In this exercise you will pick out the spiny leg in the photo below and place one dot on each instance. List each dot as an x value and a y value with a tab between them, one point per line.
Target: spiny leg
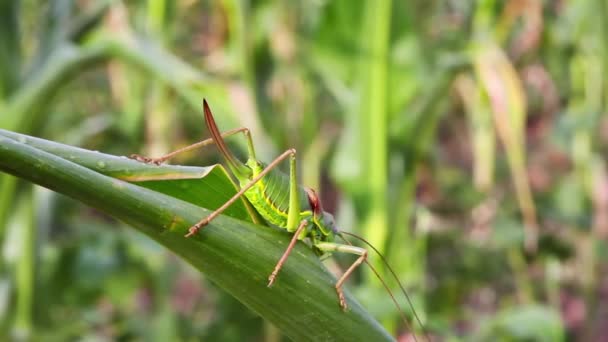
200	224
336	247
199	144
292	243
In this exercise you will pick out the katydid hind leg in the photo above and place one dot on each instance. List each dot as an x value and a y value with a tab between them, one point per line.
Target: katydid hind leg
293	217
203	222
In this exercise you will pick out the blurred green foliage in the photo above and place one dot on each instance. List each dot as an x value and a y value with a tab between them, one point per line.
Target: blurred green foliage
466	140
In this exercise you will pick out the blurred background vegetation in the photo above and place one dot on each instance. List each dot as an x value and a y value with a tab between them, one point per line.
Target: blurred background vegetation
466	140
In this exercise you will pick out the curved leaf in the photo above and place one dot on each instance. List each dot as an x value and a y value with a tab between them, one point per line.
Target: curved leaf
236	255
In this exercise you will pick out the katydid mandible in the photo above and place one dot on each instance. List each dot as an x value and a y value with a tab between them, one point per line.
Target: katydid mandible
281	201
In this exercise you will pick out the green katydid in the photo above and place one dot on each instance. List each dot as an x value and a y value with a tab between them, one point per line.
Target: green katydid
282	202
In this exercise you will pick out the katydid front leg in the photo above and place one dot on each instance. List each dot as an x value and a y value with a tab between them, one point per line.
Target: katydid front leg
336	247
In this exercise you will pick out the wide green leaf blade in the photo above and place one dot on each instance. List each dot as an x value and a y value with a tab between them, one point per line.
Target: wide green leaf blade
236	255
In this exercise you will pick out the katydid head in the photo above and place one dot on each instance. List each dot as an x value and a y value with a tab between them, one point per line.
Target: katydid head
322	219
327	221
326	224
240	170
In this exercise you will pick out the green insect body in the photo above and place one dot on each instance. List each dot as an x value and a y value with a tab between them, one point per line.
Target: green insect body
270	199
271	194
279	199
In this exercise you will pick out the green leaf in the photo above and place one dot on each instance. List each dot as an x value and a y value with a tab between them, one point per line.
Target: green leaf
236	255
188	183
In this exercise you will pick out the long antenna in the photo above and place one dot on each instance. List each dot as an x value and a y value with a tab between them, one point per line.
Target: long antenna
390	293
384	284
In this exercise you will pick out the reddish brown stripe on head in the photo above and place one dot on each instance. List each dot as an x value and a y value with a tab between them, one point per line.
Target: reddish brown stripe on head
313	200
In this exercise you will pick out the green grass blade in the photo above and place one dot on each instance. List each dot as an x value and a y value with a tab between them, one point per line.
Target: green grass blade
236	255
374	115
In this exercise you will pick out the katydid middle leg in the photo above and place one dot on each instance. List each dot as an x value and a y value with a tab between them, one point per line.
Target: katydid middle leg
199	144
292	243
336	247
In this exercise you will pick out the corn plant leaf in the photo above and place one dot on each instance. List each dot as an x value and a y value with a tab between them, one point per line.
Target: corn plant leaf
236	255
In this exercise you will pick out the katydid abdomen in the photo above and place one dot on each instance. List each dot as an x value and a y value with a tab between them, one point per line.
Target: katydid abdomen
269	198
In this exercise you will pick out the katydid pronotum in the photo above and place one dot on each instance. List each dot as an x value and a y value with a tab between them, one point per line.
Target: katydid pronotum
282	202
